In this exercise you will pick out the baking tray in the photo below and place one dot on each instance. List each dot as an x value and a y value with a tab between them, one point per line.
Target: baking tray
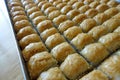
21	59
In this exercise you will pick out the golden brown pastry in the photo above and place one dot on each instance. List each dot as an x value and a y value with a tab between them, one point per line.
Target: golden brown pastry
84	8
112	24
35	14
79	18
104	1
77	5
29	39
24	32
71	32
111	67
100	18
31	10
117	16
65	25
39	19
81	40
71	14
95	53
88	24
111	11
95	75
39	63
16	8
66	9
87	1
43	25
111	41
59	19
45	6
20	24
91	12
49	10
102	7
112	3
94	4
28	6
16	13
19	17
41	3
98	31
60	5
48	32
117	29
38	1
26	2
14	3
51	1
54	14
55	3
71	2
74	65
52	74
33	48
118	7
54	40
61	51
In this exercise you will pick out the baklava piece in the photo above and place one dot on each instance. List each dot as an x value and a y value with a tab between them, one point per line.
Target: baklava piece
48	32
41	3
111	41
111	67
14	3
26	2
79	18
81	40
112	24
52	74
39	19
91	12
117	16
71	14
61	5
16	8
29	39
35	14
39	63
98	31
95	75
33	9
71	2
16	13
111	11
43	25
49	10
102	7
74	65
54	40
77	5
24	32
33	48
61	51
94	4
20	24
19	17
29	6
112	3
95	53
100	18
66	9
45	6
59	19
87	2
88	24
54	14
65	25
84	8
71	32
55	3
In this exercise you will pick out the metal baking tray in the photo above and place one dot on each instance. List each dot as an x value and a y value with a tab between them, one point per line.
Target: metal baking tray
21	59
